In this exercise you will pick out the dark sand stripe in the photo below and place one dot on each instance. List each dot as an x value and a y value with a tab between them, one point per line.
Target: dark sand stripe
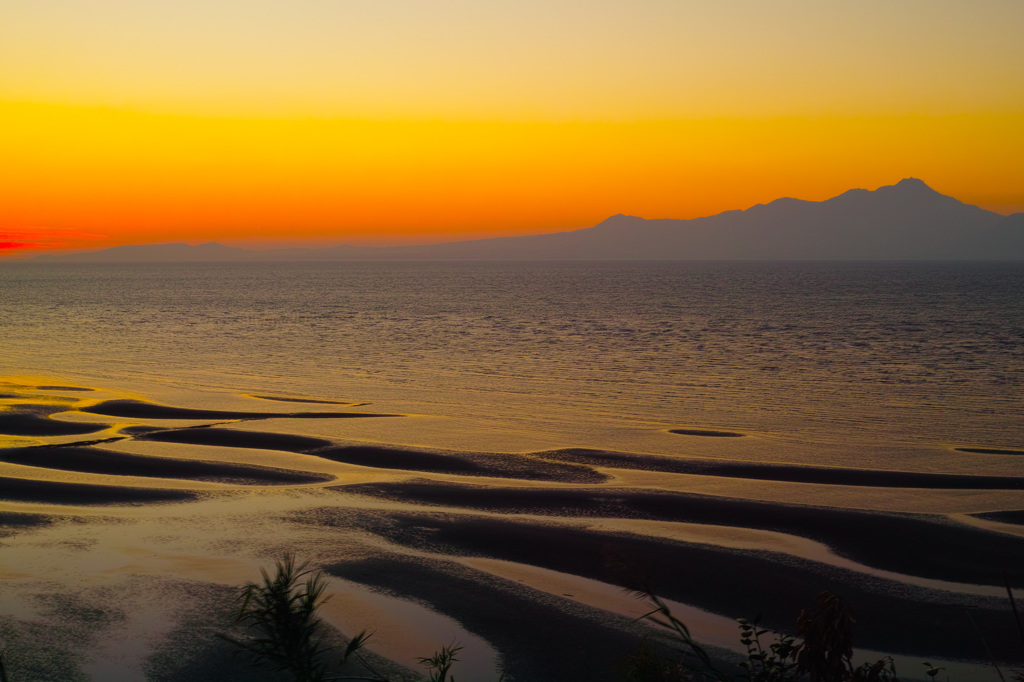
28	424
232	438
301	400
785	472
1015	516
10	520
54	492
706	433
922	545
539	636
890	616
990	451
139	430
137	409
464	464
96	461
64	388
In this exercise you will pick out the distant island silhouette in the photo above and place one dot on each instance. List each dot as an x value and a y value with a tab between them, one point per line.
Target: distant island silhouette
905	221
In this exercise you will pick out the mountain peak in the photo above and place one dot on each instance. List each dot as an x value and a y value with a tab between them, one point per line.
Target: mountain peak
618	219
912	184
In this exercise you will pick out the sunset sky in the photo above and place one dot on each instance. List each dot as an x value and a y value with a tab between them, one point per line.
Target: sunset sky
305	122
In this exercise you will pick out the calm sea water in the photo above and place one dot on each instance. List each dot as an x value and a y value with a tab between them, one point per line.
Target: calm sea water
827	353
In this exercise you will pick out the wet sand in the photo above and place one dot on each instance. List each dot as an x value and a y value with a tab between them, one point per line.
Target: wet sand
891	616
303	400
899	543
233	438
542	637
97	461
24	423
137	409
575	465
56	492
786	472
495	465
404	518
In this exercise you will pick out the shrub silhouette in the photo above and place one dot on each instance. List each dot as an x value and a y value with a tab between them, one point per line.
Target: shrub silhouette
823	655
282	626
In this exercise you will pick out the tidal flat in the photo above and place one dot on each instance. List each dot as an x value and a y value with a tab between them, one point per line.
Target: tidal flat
129	524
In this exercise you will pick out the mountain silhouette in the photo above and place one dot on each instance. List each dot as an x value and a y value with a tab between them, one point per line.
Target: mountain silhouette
905	221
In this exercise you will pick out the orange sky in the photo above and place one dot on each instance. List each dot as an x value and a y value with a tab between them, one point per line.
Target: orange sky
272	123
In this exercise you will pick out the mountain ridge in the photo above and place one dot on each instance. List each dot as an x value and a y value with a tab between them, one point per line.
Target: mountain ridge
905	221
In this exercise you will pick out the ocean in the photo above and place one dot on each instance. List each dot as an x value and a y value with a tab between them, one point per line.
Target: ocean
851	352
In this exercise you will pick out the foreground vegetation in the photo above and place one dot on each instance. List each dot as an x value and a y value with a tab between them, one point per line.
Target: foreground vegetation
283	630
277	625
